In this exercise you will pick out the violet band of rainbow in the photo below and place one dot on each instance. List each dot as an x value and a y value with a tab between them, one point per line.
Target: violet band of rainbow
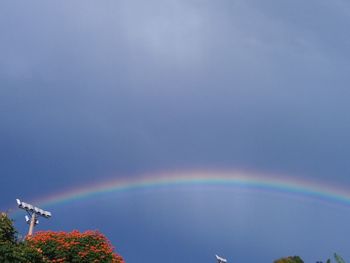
298	187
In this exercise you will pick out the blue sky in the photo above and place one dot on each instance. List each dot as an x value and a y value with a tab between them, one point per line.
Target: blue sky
90	91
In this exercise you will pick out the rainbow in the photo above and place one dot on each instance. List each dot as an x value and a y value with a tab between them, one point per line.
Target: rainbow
242	180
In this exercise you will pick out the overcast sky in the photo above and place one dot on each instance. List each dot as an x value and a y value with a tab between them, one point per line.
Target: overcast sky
93	90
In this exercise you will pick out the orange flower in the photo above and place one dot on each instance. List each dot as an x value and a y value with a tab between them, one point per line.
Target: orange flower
90	246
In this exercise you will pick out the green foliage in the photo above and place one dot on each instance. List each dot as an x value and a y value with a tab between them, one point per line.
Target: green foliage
7	230
338	258
294	259
11	250
19	253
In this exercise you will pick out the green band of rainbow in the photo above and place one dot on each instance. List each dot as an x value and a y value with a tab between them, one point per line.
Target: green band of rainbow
292	186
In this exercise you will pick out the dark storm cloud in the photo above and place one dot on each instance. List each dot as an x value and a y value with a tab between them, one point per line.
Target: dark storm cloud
126	86
92	89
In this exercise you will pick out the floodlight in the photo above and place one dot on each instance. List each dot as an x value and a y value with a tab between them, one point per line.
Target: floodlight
38	211
46	214
220	259
33	213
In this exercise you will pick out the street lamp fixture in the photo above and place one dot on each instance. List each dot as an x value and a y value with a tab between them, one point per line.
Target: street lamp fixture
220	259
33	214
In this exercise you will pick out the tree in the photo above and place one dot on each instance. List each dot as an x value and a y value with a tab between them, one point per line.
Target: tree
87	247
7	230
54	247
10	249
294	259
338	258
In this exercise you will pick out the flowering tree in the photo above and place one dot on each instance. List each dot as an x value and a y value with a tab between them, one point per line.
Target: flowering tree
87	247
294	259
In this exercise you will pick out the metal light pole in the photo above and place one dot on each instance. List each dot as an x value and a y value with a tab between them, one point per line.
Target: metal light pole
33	214
33	222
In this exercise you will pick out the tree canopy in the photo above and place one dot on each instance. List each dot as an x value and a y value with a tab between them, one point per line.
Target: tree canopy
294	259
11	250
87	247
54	247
